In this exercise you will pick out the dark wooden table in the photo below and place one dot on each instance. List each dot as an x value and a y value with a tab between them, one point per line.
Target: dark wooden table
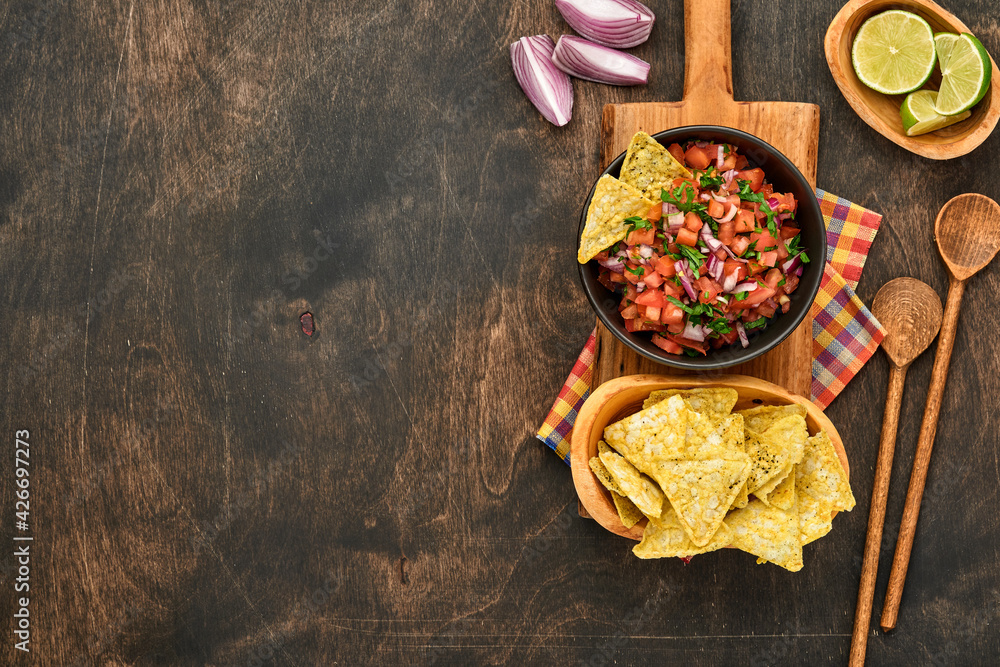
181	181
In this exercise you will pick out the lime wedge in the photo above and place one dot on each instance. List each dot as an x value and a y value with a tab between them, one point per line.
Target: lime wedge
919	116
944	42
965	76
893	52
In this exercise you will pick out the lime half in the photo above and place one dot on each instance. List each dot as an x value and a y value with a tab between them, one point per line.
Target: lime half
965	76
893	52
944	42
919	116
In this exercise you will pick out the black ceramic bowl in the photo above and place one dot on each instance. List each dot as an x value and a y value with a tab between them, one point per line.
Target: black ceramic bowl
780	172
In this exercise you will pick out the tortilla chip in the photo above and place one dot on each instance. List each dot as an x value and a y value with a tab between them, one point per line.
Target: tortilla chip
602	474
822	476
814	519
613	201
627	511
742	498
770	533
783	495
714	401
701	493
763	417
770	485
665	538
650	167
641	490
651	435
773	450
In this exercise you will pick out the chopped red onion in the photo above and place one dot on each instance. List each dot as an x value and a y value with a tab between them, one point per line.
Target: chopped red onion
706	236
772	303
675	221
744	341
640	286
729	283
720	159
773	203
798	271
715	267
586	60
719	198
791	264
546	86
748	286
669	209
693	332
701	144
728	216
645	251
612	264
704	196
729	176
620	24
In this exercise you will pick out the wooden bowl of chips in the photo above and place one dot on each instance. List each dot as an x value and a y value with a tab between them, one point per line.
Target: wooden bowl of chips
624	396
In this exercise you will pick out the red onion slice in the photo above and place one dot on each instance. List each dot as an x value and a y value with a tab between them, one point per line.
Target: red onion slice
706	236
675	221
669	209
748	286
728	216
612	264
693	332
744	341
546	86
791	264
645	251
586	60
620	24
720	159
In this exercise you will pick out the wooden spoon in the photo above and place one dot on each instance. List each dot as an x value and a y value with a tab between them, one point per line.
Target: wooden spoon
910	311
967	231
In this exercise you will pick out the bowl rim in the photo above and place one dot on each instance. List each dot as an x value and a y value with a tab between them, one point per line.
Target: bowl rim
596	500
740	356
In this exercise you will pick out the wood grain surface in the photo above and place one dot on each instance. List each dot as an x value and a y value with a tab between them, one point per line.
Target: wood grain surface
181	181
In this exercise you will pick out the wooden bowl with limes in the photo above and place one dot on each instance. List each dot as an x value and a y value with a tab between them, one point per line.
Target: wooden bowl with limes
881	111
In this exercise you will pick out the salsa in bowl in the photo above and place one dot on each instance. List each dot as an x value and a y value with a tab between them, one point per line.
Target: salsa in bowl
701	247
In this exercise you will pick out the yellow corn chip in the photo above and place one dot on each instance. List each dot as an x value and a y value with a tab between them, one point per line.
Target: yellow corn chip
770	533
814	519
822	476
641	490
770	485
627	511
654	434
783	496
701	492
602	474
761	418
613	201
665	538
649	166
742	498
714	401
774	449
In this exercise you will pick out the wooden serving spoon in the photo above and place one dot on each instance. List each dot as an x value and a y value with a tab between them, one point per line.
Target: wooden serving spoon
910	311
967	231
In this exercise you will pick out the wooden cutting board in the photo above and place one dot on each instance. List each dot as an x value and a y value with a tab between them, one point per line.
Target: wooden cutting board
790	127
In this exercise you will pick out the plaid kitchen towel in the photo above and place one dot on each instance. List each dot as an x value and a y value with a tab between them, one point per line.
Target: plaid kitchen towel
845	333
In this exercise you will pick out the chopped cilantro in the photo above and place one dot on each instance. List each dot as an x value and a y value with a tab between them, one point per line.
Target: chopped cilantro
759	322
742	295
637	271
804	257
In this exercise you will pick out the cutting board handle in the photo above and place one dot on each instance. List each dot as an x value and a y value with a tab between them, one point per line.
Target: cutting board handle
708	62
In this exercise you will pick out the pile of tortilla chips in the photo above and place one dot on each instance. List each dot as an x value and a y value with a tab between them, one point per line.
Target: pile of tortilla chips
647	168
707	477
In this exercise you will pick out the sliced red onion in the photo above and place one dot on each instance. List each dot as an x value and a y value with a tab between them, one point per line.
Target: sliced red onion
791	264
669	209
722	299
675	221
732	255
720	159
612	264
748	286
620	24
729	176
693	332
715	267
772	303
645	251
701	144
744	341
773	203
798	271
728	216
719	198
640	287
704	196
729	282
783	299
546	86
584	59
706	236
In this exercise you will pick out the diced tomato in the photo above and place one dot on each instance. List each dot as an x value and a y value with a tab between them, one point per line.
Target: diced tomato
630	291
604	277
733	200
601	256
632	277
641	236
769	258
668	346
786	202
764	241
772	278
671	314
672	289
755	176
688	343
618	278
759	295
665	267
652	279
750	315
652	297
729	162
700	158
740	244
744	221
741	163
788	232
653	313
791	282
782	250
639	324
630	311
716	209
655	212
677	152
754	267
732	265
692	222
687	237
767	310
676	328
708	289
690	193
767	190
729	338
